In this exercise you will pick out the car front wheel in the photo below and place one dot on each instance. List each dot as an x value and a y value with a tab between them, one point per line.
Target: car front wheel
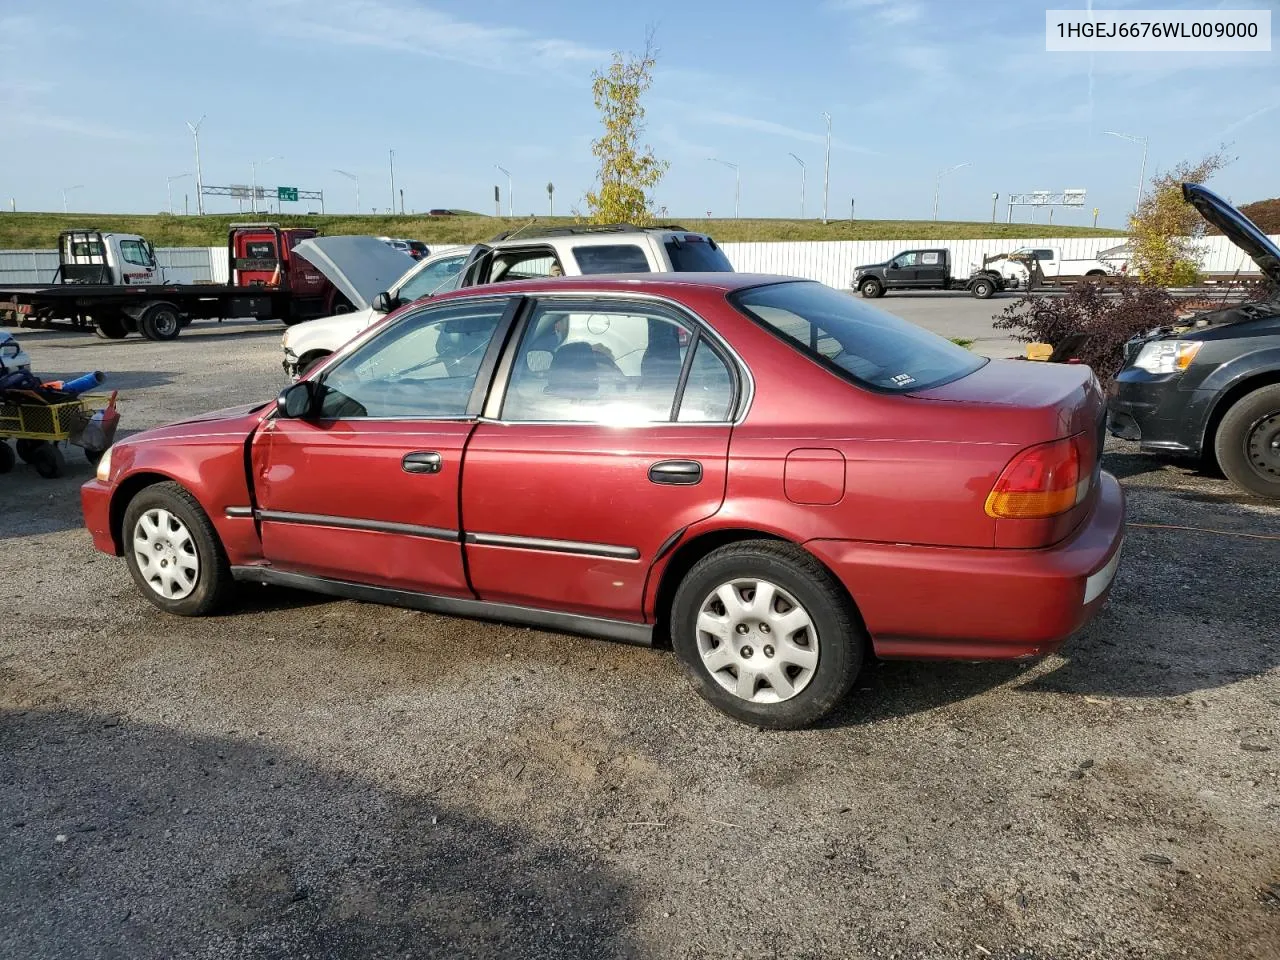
1248	442
767	634
871	289
173	552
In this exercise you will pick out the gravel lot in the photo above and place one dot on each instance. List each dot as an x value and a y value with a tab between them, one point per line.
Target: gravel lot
310	778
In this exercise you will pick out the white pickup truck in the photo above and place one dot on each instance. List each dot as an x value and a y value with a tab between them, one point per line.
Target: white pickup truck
1052	265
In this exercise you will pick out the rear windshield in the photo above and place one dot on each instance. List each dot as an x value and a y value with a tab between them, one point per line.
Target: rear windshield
696	255
860	343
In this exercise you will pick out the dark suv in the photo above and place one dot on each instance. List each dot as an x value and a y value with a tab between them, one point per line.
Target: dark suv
1211	387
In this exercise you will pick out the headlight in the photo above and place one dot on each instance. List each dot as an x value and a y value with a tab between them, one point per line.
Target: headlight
104	467
1167	356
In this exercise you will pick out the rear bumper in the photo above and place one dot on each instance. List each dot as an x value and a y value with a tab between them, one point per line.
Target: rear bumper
979	604
95	503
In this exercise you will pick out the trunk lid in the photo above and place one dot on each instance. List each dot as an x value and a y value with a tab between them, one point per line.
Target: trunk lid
1236	227
1028	403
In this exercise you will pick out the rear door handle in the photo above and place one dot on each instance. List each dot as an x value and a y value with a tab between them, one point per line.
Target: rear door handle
680	473
424	461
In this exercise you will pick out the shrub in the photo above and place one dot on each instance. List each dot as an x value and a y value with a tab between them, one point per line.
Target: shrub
1165	230
1109	321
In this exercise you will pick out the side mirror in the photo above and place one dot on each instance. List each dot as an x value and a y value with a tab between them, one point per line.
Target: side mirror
296	401
895	265
382	303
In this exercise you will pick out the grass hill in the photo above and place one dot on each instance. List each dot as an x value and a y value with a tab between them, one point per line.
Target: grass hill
40	230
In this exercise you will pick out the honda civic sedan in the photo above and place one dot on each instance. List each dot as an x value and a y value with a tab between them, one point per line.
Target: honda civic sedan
770	477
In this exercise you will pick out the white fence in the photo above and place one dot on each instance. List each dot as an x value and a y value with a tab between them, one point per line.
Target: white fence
831	262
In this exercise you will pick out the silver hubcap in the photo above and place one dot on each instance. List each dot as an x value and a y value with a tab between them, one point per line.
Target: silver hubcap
166	554
757	641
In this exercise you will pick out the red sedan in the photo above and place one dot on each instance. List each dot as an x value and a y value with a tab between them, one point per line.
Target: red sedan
775	478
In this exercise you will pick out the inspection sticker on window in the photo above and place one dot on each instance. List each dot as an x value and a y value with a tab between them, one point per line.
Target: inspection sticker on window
1157	31
903	380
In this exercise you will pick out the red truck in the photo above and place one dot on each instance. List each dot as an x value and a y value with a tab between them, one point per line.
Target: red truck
113	283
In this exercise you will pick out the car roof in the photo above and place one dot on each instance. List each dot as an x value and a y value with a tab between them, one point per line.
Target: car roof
671	284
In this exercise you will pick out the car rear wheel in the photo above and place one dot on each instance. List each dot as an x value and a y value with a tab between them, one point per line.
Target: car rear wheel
173	552
1248	442
871	288
767	634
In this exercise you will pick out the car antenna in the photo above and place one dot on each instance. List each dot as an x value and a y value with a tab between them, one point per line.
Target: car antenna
528	223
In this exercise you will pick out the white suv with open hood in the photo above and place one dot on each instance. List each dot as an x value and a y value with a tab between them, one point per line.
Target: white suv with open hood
519	255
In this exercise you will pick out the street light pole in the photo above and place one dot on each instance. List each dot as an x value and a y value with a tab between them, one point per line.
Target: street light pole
253	189
168	186
354	179
195	135
65	191
737	181
937	187
391	159
1142	175
511	202
801	162
826	167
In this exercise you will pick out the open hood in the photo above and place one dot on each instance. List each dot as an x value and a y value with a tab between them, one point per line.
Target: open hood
1238	228
360	267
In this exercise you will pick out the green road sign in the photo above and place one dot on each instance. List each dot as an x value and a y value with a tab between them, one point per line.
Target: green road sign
287	193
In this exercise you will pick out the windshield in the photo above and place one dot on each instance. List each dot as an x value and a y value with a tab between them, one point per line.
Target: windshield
696	255
858	342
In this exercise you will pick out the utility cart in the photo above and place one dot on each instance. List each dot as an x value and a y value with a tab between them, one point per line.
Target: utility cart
39	429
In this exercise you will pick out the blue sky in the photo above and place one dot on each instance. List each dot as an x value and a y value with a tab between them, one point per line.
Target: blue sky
98	94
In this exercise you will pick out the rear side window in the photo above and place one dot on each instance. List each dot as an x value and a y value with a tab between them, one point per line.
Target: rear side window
696	255
611	258
858	342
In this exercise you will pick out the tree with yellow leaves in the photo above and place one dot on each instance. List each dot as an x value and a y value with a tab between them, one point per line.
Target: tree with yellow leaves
628	172
1165	230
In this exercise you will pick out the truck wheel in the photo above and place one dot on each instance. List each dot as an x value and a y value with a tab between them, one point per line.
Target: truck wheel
160	322
982	289
110	328
1248	442
49	461
871	288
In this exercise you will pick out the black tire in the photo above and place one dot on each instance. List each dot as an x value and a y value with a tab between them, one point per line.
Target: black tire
340	305
93	456
110	328
309	361
160	322
49	461
27	449
982	289
1247	444
871	288
7	458
840	640
213	583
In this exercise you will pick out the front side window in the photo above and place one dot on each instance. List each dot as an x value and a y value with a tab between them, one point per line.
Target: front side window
597	363
424	366
905	259
524	265
611	258
858	342
435	277
692	254
135	252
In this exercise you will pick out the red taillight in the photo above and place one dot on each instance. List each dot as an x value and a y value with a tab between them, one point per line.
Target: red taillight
1041	481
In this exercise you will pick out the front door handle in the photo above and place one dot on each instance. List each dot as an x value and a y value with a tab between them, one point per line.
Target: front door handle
680	473
424	461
